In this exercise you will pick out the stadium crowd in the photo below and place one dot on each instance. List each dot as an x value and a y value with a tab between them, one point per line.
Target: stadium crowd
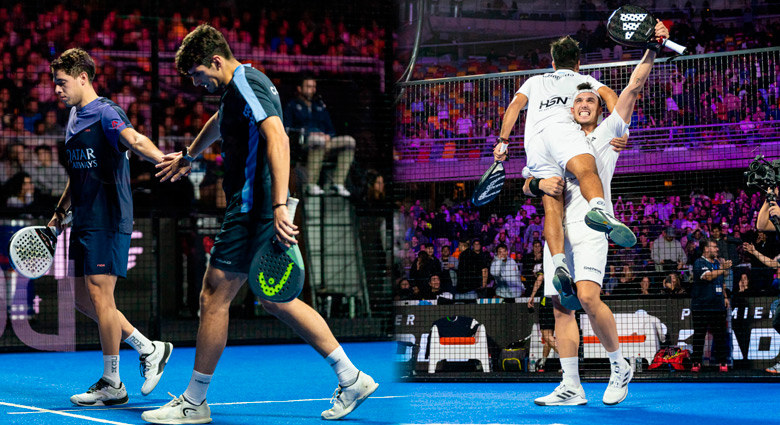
505	252
32	119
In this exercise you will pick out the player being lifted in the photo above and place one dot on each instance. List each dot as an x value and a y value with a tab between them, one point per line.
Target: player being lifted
586	251
97	139
555	145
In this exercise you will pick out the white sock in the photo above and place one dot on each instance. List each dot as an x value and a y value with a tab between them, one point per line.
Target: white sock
617	357
345	370
559	260
111	370
199	385
571	370
597	203
139	342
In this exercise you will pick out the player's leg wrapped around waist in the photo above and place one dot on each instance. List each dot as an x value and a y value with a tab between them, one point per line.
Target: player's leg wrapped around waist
586	256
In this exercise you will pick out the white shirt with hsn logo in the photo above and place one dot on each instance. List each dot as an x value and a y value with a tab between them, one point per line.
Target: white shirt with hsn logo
550	98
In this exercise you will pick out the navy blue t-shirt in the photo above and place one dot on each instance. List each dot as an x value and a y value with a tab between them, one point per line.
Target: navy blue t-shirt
248	100
314	118
706	294
98	168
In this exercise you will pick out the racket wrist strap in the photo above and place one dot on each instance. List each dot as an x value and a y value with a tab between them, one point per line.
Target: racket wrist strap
275	206
534	187
654	45
502	140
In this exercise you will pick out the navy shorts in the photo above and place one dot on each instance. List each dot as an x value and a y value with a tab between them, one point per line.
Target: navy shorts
99	252
239	239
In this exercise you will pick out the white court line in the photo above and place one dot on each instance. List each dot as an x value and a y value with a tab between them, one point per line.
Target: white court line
210	404
55	412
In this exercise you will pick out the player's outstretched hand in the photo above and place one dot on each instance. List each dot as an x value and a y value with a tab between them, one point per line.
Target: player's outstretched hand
619	144
284	228
552	186
173	167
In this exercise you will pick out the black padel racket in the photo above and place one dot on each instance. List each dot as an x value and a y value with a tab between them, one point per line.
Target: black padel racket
276	273
634	26
31	250
491	183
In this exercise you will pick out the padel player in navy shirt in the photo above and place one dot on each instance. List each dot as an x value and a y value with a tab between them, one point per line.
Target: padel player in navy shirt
97	141
257	172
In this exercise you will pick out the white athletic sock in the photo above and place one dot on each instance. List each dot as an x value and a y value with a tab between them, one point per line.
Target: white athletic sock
345	370
111	370
199	385
559	260
617	357
139	342
571	370
597	203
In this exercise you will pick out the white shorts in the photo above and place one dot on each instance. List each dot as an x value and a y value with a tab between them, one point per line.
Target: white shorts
549	151
586	255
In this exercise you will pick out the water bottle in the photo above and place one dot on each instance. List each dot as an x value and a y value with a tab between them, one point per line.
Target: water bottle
532	363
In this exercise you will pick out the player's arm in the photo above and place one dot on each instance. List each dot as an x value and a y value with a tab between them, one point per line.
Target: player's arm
511	114
278	152
140	145
62	206
537	285
627	99
173	166
609	96
552	186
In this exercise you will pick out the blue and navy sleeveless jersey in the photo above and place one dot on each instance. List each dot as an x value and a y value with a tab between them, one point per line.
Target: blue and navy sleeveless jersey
98	168
248	100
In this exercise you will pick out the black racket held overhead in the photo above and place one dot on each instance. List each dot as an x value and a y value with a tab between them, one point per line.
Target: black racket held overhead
31	249
491	183
634	26
276	273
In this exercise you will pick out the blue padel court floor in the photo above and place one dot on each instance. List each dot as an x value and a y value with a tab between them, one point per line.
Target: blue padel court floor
291	384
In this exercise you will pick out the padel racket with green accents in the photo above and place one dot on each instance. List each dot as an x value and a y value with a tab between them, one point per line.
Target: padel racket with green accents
276	273
31	250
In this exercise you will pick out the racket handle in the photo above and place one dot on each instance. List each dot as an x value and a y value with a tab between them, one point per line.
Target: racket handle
68	218
502	147
671	45
292	205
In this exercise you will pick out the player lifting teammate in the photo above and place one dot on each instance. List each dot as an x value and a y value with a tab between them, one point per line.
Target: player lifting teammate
257	173
555	145
586	251
97	139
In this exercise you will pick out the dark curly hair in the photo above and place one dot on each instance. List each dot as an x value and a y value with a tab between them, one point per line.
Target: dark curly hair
565	53
199	46
73	62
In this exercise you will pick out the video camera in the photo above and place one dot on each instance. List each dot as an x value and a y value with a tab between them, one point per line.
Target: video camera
765	175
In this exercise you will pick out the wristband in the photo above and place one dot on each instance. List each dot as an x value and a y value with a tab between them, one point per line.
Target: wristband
278	205
502	140
534	187
60	210
186	154
654	46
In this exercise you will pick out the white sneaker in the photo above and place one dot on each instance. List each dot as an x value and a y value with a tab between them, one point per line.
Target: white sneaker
152	365
345	400
314	190
341	190
774	369
101	394
179	411
564	395
617	389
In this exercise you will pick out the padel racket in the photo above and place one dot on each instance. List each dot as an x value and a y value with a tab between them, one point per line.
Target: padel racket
491	183
31	250
634	26
276	273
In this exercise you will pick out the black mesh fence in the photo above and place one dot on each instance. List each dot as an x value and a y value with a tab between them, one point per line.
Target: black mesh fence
338	171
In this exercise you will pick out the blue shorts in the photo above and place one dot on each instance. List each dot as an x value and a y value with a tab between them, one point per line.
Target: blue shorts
239	239
100	252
